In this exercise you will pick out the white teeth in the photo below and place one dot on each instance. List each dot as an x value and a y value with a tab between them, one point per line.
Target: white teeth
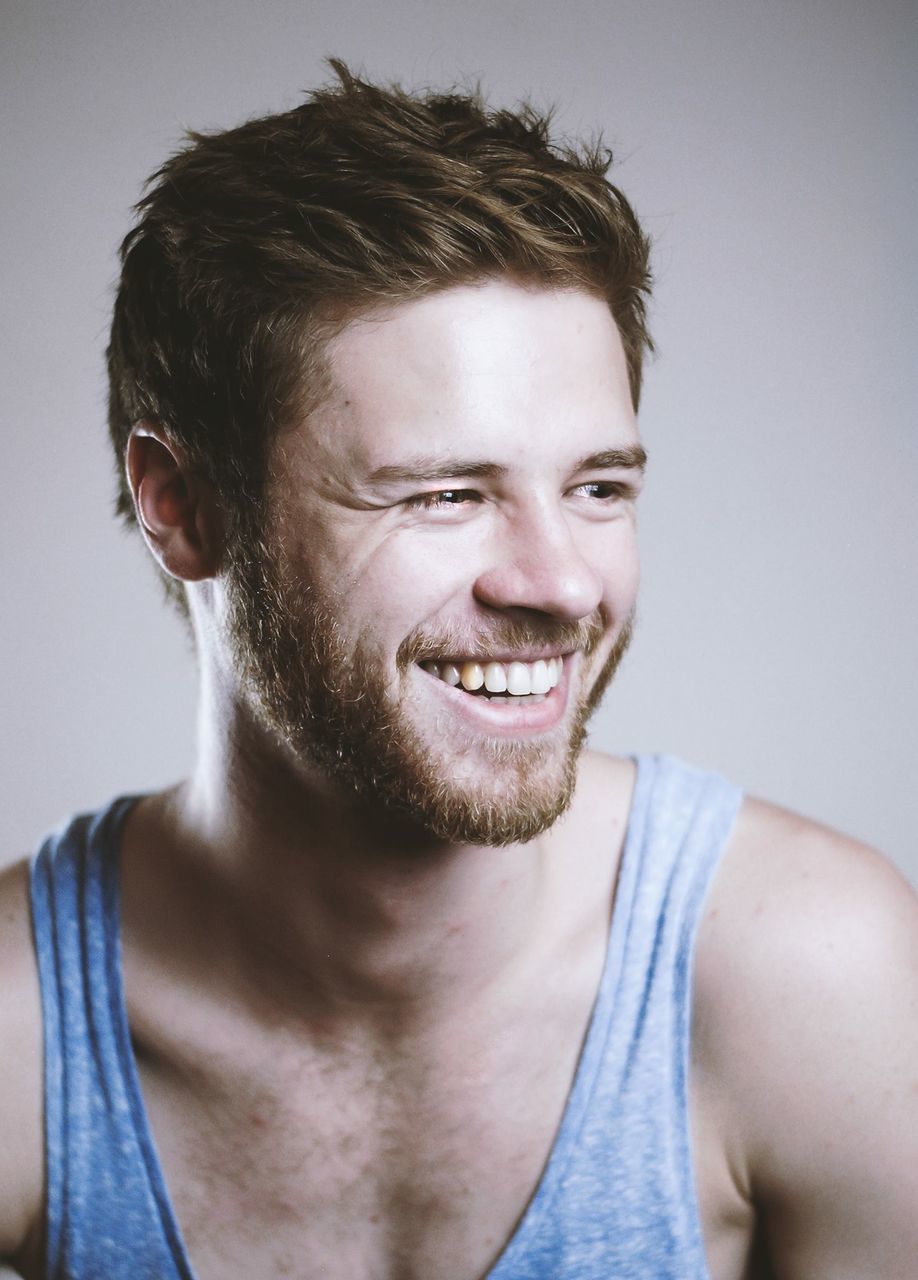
540	680
495	677
471	675
519	681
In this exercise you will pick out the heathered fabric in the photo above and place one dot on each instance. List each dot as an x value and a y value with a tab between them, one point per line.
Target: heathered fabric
616	1200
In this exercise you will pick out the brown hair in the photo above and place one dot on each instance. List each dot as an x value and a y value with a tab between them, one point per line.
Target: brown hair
251	245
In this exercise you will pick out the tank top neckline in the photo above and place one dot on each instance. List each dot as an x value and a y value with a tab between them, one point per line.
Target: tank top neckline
576	1106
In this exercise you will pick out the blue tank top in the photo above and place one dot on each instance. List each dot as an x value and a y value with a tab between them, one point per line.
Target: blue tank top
616	1197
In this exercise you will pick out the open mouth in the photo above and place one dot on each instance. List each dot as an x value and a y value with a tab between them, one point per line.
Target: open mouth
516	682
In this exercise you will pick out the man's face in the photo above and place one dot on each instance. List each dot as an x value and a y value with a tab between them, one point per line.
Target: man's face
461	502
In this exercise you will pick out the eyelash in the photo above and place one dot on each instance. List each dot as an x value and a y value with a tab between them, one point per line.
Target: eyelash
607	492
609	489
435	501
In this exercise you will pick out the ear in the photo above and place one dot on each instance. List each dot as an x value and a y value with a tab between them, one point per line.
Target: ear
177	509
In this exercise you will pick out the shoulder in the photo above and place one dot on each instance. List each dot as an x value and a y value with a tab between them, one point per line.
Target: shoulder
807	1029
791	887
800	908
21	1150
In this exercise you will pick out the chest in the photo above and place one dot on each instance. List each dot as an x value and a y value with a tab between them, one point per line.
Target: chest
378	1166
387	1168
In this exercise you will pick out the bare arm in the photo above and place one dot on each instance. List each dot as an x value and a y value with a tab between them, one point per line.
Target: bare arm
808	968
21	1159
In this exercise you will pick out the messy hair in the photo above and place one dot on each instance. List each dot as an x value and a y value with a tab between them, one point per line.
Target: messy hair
252	245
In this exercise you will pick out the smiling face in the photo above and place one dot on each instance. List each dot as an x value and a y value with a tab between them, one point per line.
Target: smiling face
448	579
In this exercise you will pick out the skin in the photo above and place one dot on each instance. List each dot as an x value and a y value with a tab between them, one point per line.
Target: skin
340	1018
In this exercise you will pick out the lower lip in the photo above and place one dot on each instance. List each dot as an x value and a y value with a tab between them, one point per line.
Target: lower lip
504	717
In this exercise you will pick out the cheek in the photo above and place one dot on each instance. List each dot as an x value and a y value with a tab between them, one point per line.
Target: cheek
629	580
615	558
409	582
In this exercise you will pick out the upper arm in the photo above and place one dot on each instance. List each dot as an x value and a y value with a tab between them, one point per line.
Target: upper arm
21	1145
808	982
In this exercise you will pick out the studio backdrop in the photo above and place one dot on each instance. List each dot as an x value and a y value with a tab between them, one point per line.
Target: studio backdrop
769	147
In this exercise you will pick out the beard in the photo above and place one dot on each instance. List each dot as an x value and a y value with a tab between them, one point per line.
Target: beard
329	701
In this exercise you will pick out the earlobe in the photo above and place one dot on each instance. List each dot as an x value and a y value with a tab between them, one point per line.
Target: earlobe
176	508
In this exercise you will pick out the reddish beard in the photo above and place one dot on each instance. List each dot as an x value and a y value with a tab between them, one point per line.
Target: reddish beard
331	704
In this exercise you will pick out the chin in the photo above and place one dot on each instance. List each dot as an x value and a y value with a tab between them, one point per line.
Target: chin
499	792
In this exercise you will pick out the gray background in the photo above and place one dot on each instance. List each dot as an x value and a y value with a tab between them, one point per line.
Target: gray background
769	147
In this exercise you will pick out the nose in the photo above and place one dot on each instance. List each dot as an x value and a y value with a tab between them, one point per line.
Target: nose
536	564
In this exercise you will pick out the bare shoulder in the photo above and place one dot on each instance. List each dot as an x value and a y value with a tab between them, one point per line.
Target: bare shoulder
807	1028
793	889
21	1159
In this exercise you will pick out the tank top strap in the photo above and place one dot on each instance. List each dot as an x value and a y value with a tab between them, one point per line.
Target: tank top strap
637	1137
617	1196
680	821
107	1213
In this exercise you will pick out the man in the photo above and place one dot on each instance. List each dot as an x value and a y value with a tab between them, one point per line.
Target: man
401	983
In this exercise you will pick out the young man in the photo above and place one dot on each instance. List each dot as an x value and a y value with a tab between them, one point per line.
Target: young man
400	983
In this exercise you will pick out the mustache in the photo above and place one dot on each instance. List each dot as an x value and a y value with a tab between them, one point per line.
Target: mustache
501	633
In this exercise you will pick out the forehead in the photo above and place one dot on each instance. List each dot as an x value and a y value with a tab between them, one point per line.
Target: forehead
487	366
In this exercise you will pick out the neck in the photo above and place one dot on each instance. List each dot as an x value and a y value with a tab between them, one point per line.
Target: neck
377	915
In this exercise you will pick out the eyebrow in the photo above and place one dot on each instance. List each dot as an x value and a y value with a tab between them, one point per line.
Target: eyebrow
425	470
634	458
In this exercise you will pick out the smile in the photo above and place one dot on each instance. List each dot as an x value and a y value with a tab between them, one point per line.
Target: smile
500	681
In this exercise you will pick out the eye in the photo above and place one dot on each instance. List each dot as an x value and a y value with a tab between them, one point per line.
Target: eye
604	491
444	499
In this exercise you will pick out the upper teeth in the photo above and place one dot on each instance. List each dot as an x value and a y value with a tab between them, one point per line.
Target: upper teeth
518	678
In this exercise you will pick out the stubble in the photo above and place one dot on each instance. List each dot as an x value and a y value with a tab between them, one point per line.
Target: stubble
329	702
